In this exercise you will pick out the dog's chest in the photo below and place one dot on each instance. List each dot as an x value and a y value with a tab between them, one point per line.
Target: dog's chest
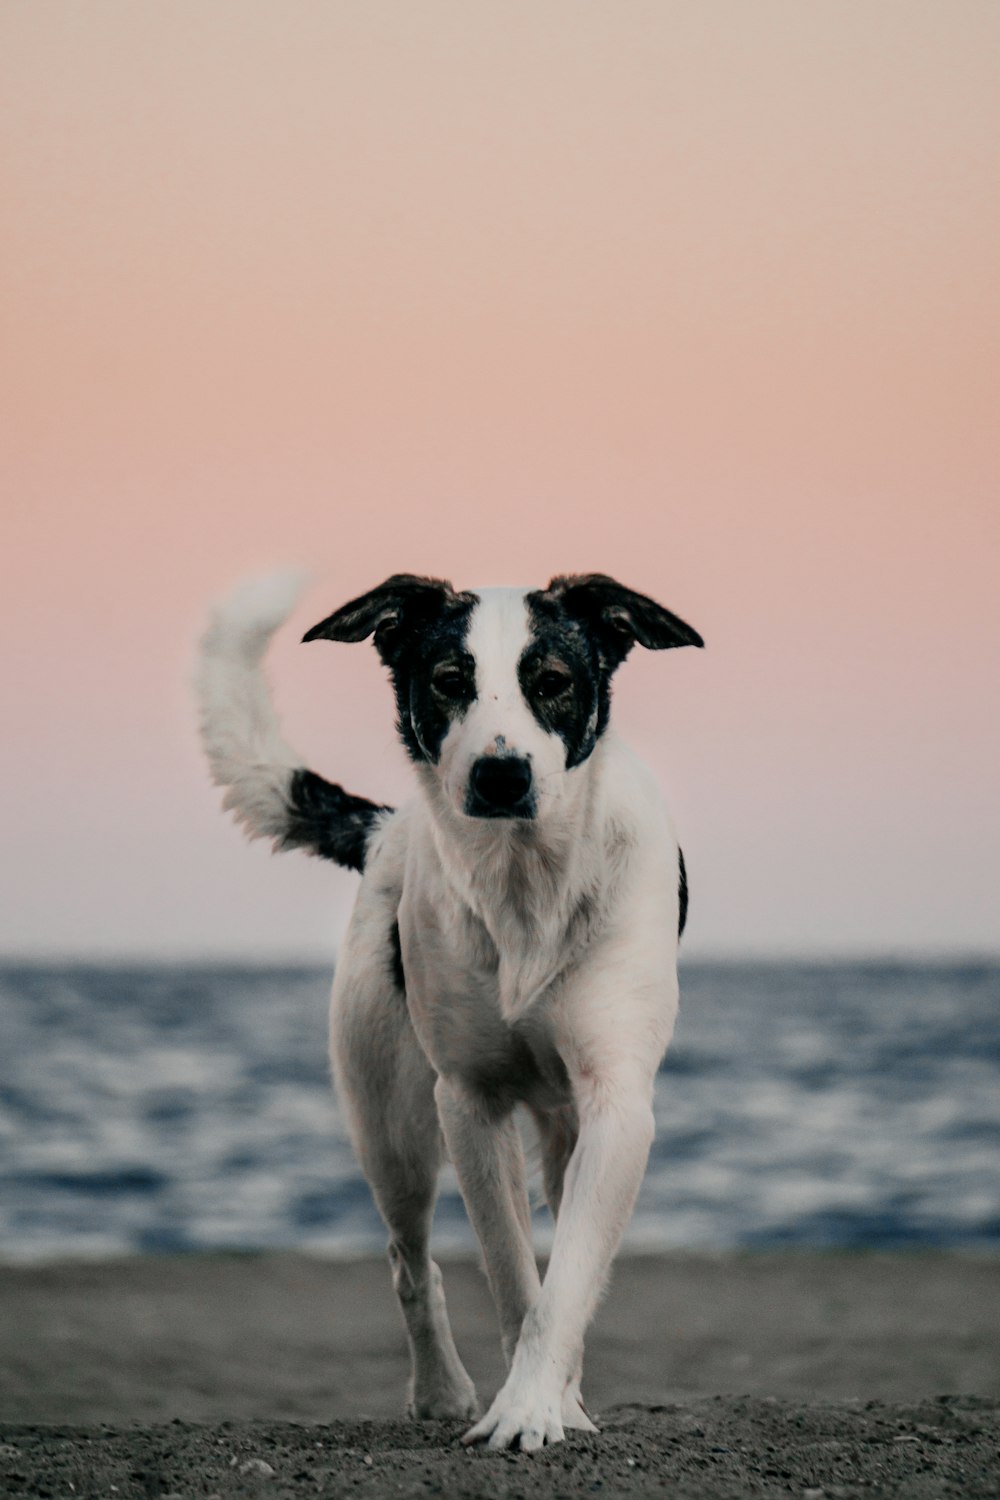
459	989
515	929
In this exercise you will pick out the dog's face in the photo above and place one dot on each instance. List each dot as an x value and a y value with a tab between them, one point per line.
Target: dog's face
505	691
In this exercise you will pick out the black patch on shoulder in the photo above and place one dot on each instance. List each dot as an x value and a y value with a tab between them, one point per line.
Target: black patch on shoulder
330	822
396	959
563	680
434	679
682	892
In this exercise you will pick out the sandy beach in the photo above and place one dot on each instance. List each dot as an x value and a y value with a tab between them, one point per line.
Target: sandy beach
749	1374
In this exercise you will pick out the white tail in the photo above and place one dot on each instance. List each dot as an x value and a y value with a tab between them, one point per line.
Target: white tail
239	727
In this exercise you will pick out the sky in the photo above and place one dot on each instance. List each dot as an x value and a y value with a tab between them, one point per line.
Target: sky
702	295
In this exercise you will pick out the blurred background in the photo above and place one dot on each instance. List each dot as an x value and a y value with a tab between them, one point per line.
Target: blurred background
703	296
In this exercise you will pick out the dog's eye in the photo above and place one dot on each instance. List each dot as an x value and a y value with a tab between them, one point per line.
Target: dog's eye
551	684
451	685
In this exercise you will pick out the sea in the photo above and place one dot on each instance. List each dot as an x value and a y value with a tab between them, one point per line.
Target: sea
162	1108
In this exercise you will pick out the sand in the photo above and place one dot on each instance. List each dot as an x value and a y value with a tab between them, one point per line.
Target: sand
766	1374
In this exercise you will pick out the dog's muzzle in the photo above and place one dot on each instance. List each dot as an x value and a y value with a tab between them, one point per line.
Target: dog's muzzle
500	786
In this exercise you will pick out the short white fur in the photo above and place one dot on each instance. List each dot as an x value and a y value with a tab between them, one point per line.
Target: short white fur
554	940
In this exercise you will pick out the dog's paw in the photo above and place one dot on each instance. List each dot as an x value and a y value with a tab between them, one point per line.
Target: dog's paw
574	1413
526	1419
458	1402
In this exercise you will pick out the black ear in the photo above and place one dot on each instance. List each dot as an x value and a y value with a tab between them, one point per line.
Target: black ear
403	602
618	617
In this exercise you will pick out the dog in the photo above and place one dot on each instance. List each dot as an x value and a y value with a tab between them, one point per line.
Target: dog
514	942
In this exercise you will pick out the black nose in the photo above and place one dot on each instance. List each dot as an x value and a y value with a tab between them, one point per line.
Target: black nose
500	786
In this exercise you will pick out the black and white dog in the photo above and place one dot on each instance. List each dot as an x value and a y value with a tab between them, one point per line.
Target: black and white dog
514	942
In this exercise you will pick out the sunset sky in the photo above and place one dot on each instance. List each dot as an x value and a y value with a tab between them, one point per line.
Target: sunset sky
703	295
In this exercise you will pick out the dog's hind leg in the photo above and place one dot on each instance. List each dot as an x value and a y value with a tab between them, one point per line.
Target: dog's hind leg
439	1384
557	1133
489	1159
386	1087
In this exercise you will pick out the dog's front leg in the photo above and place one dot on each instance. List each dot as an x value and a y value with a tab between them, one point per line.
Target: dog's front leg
488	1157
602	1182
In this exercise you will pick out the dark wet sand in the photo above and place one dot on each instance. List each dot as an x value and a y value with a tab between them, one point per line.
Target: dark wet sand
769	1374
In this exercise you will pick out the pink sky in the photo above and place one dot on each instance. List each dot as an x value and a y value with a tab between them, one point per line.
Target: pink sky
705	296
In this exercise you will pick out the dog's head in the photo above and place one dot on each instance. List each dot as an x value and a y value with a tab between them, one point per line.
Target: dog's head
506	691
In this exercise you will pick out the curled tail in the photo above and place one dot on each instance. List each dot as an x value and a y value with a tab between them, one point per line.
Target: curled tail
269	790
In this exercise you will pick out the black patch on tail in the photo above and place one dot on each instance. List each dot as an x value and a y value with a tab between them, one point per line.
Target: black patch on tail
682	892
328	821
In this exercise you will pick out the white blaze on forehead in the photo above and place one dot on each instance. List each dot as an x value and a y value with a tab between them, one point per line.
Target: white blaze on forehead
499	721
499	631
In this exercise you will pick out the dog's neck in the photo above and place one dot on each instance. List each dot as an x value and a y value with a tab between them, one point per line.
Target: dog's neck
531	883
515	862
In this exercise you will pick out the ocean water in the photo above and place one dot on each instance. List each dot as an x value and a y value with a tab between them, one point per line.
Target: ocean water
189	1108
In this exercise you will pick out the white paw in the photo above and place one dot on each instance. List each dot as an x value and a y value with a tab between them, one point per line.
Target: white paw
574	1413
458	1401
522	1418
